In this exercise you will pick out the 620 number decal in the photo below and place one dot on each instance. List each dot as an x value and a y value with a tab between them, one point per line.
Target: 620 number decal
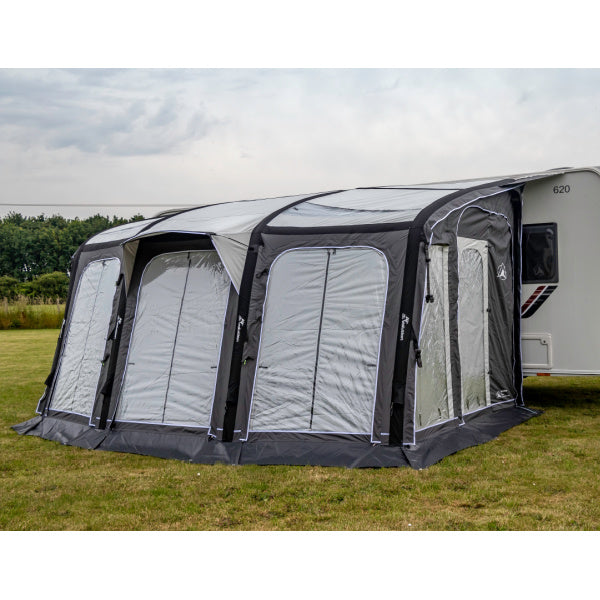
561	189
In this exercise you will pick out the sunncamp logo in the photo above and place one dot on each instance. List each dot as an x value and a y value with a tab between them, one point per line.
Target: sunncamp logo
501	273
404	323
241	323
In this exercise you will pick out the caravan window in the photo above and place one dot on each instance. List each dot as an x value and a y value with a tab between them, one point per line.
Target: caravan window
540	253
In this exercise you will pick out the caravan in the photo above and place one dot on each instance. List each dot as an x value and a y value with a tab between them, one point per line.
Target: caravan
561	278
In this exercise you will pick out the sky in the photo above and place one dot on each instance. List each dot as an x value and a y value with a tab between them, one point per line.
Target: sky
126	141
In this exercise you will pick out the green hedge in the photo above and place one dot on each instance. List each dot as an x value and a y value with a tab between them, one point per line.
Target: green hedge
50	286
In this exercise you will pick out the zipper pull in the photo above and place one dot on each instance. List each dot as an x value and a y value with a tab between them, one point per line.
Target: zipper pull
418	354
429	296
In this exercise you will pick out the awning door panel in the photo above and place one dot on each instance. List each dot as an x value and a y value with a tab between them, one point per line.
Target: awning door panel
175	345
473	323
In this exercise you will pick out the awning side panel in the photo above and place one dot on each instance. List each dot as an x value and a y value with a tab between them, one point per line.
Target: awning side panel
81	361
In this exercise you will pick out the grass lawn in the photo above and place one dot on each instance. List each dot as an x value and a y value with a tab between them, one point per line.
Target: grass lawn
544	474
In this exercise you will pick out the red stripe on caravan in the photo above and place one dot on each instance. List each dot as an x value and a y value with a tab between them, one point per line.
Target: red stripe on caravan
537	303
531	298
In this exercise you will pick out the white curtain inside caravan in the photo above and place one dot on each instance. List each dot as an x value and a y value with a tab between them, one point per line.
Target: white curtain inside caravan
81	362
319	350
175	345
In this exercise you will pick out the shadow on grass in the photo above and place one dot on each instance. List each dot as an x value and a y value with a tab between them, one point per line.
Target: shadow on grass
562	392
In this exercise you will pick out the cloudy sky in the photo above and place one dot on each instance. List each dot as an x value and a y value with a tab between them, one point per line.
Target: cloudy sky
126	141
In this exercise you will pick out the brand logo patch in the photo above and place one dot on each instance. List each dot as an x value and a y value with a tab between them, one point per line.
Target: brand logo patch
501	272
502	394
405	321
241	323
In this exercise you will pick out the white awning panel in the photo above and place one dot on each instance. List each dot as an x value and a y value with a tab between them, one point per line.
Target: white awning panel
359	207
224	219
229	225
232	250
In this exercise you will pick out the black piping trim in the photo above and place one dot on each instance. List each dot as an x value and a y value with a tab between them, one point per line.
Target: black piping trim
106	391
517	203
371	228
119	241
139	236
101	246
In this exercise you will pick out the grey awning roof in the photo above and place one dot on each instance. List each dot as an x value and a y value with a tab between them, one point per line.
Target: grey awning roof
230	224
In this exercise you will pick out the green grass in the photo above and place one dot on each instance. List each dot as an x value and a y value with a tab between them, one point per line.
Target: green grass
542	475
25	313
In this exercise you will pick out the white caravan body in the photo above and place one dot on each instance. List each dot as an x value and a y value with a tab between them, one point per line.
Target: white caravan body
560	323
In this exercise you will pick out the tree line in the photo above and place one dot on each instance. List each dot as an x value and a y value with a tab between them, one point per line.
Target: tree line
35	252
